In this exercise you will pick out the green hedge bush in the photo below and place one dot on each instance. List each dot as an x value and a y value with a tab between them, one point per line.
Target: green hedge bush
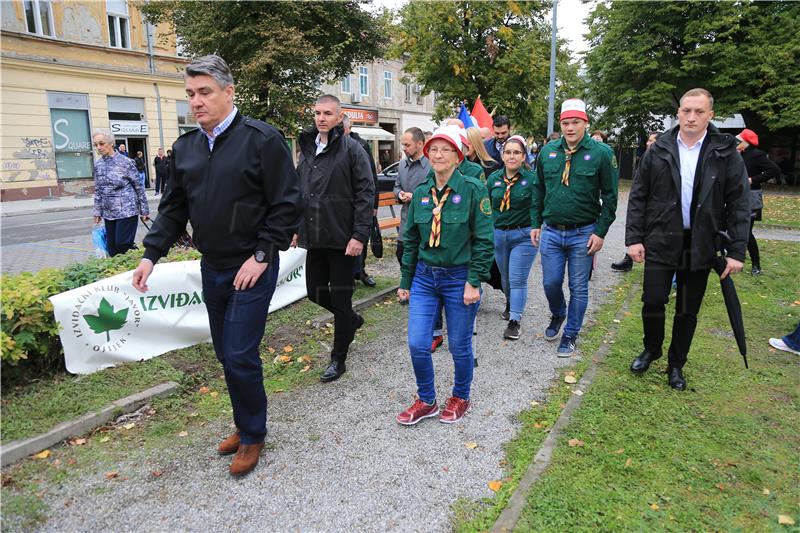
29	333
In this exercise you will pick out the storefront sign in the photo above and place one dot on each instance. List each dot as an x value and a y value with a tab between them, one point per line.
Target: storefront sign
361	116
129	127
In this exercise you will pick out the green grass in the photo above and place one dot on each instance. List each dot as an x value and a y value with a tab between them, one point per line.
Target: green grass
699	460
781	210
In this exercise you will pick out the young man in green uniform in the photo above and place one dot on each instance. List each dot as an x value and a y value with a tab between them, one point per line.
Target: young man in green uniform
570	222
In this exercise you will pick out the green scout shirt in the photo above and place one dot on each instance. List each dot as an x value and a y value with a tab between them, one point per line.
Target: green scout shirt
467	168
520	212
467	234
593	176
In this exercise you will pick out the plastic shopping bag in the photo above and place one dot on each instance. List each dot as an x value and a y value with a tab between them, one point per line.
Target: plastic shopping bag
99	241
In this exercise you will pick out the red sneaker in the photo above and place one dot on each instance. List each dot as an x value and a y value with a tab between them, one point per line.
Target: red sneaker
454	410
438	340
417	412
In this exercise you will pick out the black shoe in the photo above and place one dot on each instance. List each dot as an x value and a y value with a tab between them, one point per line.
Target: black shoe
625	265
642	362
676	379
367	280
334	371
512	331
551	333
506	315
755	271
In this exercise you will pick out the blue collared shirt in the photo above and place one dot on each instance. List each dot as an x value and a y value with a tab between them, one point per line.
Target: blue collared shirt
219	128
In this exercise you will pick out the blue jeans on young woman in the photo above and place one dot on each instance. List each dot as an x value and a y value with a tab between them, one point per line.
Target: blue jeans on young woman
560	249
430	287
237	320
514	253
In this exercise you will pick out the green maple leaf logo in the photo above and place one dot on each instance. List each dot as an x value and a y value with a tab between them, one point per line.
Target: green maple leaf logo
106	319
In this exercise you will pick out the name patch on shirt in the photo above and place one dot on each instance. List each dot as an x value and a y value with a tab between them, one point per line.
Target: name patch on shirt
524	182
425	200
497	183
457	199
587	157
552	155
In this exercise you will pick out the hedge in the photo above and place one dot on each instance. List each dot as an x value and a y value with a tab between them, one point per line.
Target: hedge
29	335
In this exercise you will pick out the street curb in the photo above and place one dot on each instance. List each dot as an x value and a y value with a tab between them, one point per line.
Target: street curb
359	304
56	209
16	450
508	519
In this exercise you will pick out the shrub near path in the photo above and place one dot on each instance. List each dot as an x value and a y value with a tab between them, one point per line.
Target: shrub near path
721	456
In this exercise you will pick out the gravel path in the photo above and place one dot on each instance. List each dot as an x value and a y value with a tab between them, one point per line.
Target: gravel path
336	459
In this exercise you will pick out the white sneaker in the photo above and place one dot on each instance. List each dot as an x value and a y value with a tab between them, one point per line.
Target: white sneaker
780	345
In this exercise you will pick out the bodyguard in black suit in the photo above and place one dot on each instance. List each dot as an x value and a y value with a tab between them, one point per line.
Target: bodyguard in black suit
690	184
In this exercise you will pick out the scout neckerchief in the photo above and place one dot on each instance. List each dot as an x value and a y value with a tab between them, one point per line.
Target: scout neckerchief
436	223
506	203
565	175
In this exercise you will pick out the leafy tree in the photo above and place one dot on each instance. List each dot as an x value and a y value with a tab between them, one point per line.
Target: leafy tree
645	55
279	52
499	50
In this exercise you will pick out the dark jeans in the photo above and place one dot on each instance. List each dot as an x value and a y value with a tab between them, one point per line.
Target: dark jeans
752	247
161	182
691	287
120	234
237	320
792	340
329	282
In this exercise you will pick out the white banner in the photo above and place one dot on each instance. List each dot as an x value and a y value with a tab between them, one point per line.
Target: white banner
109	322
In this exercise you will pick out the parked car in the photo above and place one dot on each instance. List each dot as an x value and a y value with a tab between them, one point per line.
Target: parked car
386	178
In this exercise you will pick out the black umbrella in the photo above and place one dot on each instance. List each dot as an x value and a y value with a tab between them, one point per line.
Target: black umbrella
729	294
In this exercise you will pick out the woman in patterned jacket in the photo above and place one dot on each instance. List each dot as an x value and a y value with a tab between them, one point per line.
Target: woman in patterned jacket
118	194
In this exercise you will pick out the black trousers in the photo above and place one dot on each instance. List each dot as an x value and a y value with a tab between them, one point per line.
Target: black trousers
161	182
329	282
655	296
120	234
752	246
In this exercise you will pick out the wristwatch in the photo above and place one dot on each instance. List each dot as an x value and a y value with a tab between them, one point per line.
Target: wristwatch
260	256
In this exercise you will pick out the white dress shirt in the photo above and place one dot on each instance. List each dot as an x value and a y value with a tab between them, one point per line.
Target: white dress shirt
320	145
688	156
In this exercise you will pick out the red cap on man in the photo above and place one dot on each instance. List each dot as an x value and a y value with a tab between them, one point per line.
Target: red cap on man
573	108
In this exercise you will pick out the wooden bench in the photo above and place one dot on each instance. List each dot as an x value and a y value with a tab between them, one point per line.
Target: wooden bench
388	199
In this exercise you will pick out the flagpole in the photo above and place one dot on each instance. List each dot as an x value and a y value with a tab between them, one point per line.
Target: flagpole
551	104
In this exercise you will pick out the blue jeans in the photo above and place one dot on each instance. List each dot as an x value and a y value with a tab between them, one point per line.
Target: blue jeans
237	320
514	253
430	288
792	340
560	249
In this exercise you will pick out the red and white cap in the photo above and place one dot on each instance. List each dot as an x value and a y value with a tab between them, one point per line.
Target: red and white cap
748	136
451	134
573	108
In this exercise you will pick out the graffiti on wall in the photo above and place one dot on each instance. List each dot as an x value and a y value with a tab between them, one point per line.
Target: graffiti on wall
35	161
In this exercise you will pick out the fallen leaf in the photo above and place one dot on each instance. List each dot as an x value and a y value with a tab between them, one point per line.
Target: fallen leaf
471	445
288	348
271	349
304	359
194	414
157	473
183	434
111	475
627	313
43	455
129	425
562	405
203	390
575	442
785	520
621	450
285	359
328	325
654	506
537	425
495	485
616	321
796	302
534	403
77	442
765	491
628	463
720	486
577	392
105	439
213	394
570	379
57	462
277	390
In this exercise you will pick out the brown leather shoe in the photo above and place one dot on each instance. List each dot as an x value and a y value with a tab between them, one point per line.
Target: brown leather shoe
245	459
229	445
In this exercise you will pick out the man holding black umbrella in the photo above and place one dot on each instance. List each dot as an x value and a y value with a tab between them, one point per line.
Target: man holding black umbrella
690	185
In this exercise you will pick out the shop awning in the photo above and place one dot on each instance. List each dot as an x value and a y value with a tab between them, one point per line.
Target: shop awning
373	134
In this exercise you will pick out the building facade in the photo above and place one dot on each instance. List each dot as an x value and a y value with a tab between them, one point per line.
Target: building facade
70	67
382	102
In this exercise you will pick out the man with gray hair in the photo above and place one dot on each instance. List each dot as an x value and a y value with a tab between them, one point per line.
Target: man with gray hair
234	179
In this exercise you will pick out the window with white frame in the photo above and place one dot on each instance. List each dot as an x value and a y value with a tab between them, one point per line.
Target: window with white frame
363	80
387	84
39	17
346	84
119	34
408	91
